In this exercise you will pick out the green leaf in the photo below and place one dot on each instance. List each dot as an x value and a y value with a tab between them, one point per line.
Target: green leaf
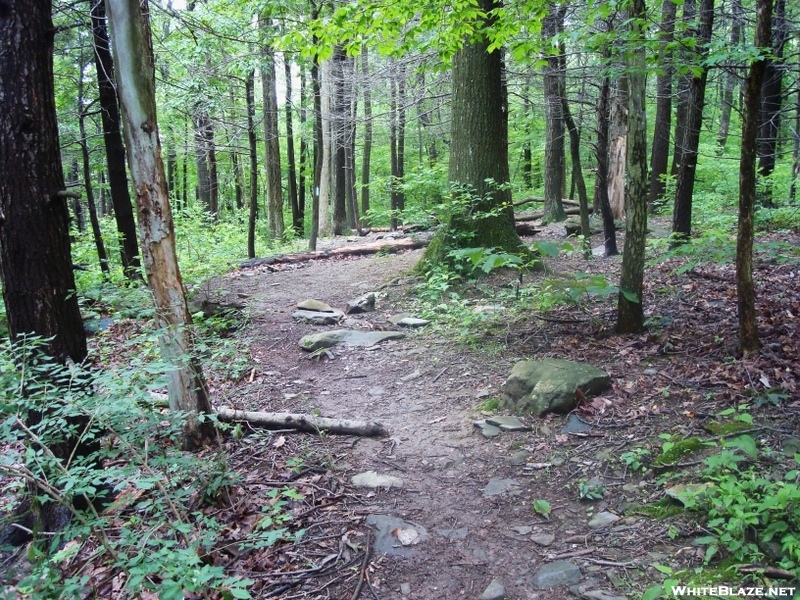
542	507
663	569
746	444
547	248
654	592
629	296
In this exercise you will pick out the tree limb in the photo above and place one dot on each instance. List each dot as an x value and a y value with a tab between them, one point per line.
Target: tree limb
301	422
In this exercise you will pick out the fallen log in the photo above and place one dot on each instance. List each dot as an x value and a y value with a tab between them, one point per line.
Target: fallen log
538	214
355	250
529	199
525	228
301	422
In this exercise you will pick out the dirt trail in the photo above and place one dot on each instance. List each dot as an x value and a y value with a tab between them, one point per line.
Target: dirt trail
425	390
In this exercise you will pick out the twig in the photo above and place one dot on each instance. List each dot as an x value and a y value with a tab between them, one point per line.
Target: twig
573	554
768	571
435	379
362	572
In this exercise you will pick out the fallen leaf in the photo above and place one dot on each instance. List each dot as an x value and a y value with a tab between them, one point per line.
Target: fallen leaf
279	442
407	537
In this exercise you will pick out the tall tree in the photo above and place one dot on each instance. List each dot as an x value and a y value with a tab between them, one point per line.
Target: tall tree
554	118
601	154
115	149
684	186
731	78
630	315
340	118
297	215
252	147
478	152
686	57
272	138
133	57
367	153
659	156
745	288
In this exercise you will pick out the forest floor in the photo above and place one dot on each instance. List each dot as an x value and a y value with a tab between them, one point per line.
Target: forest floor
430	387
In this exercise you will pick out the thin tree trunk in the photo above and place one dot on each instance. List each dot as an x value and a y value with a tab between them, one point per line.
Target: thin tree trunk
253	148
77	206
659	157
301	179
185	188
316	88
745	288
340	113
325	228
796	153
213	179
272	141
133	56
554	123
618	152
115	149
526	144
401	137
771	102
601	188
237	168
684	189
577	174
297	216
731	78
201	157
684	91
102	256
365	159
393	184
630	317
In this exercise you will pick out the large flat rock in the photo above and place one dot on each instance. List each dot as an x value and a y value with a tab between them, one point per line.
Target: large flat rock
347	337
550	385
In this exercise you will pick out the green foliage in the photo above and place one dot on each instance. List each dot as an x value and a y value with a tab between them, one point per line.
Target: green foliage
590	490
637	459
157	533
542	507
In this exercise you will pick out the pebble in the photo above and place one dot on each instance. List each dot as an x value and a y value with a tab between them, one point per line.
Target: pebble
495	591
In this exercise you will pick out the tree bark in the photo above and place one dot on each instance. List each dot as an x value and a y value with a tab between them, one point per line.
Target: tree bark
238	190
659	156
325	225
771	102
199	119
301	422
115	149
297	215
684	187
630	317
133	56
618	133
684	89
340	116
366	157
601	188
731	78
272	141
554	121
575	153
252	144
301	175
393	183
478	154
316	89
745	288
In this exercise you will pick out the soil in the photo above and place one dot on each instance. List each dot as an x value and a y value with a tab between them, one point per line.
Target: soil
430	387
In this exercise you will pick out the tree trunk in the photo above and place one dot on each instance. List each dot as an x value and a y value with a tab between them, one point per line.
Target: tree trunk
400	172
252	144
554	122
659	157
601	189
272	141
115	149
365	159
213	179
325	228
684	89
393	184
684	188
618	133
526	144
316	88
301	177
297	216
745	288
237	167
577	174
87	183
199	118
77	208
630	318
796	152
478	154
133	56
731	78
340	115
771	101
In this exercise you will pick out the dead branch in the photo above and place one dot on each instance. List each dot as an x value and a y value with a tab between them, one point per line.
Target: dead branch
301	422
538	214
529	199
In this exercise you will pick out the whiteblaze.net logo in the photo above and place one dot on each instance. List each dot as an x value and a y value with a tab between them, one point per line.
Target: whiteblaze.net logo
723	591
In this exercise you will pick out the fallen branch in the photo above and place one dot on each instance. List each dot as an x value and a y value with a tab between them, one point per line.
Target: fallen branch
357	250
301	422
768	571
529	199
538	214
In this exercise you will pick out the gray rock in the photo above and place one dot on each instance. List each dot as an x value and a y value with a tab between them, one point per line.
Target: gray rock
497	486
487	431
495	591
602	519
371	479
520	457
387	529
346	337
479	554
601	595
630	487
543	539
575	425
412	322
317	318
395	319
376	391
315	305
683	491
555	574
453	534
411	377
508	423
549	385
522	529
364	303
405	589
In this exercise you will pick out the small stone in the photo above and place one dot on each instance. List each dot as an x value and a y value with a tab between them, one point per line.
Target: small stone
490	431
479	554
405	589
454	534
497	486
520	457
411	377
650	372
364	303
346	337
522	529
371	479
495	591
602	519
481	394
683	491
543	539
314	305
508	423
317	318
412	322
575	425
630	487
397	318
556	574
376	391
